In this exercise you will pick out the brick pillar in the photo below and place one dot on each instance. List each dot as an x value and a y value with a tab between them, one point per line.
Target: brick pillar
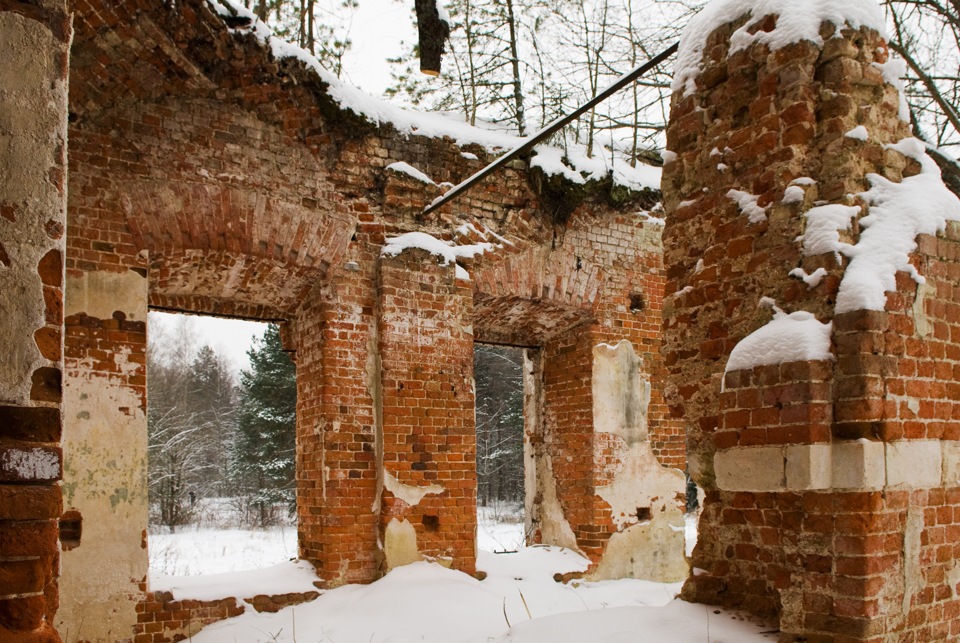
831	483
337	384
429	438
34	45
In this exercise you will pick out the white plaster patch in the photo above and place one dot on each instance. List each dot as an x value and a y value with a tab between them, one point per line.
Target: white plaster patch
400	544
914	464
31	464
646	551
408	493
620	394
100	293
860	465
750	469
808	466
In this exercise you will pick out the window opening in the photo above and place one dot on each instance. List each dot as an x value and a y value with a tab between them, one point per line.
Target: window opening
221	423
498	372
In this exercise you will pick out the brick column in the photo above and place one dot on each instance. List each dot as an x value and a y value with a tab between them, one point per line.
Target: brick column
429	437
337	384
34	45
831	484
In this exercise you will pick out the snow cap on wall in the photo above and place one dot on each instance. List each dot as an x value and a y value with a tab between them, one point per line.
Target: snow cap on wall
574	160
797	21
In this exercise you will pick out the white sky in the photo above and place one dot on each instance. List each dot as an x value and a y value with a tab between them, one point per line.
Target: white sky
229	337
380	29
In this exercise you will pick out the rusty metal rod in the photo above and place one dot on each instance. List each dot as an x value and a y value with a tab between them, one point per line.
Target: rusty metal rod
551	128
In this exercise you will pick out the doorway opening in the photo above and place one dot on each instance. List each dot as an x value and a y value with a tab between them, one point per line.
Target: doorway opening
498	373
221	424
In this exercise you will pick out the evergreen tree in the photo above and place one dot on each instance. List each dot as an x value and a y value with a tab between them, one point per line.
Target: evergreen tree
263	459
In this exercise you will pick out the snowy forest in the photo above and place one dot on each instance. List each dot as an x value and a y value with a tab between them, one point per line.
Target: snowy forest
519	64
214	436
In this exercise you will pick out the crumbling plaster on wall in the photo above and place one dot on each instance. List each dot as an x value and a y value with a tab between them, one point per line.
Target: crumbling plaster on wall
105	470
400	544
32	149
646	499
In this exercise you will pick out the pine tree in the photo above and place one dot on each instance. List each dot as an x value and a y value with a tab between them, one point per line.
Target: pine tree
263	458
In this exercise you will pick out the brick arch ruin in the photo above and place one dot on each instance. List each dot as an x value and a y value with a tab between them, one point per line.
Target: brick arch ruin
162	156
198	171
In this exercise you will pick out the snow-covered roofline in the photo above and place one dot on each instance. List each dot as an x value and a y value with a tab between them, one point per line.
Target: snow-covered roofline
433	125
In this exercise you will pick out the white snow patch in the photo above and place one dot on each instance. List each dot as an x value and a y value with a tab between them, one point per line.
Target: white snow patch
797	21
470	156
858	133
31	464
443	13
668	156
408	493
824	224
649	218
793	194
406	168
813	279
797	337
894	71
686	204
803	180
579	169
898	212
748	205
722	167
449	253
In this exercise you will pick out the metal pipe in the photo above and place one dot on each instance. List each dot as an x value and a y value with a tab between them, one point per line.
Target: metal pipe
551	128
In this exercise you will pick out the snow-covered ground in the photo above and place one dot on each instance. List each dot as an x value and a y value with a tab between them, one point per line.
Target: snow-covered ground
517	602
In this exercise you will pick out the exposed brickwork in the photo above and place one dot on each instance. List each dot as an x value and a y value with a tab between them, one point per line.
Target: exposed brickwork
206	176
837	547
34	39
162	619
429	436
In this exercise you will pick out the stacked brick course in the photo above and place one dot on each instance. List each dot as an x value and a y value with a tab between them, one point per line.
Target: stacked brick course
830	486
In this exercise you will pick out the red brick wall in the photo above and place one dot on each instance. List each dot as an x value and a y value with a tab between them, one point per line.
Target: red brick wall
429	436
162	619
831	560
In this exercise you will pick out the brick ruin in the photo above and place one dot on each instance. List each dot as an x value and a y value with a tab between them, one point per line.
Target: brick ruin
205	174
190	169
831	485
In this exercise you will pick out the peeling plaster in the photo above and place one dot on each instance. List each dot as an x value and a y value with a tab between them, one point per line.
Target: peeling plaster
913	580
922	326
408	493
554	527
105	472
400	544
647	551
646	499
100	294
33	105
